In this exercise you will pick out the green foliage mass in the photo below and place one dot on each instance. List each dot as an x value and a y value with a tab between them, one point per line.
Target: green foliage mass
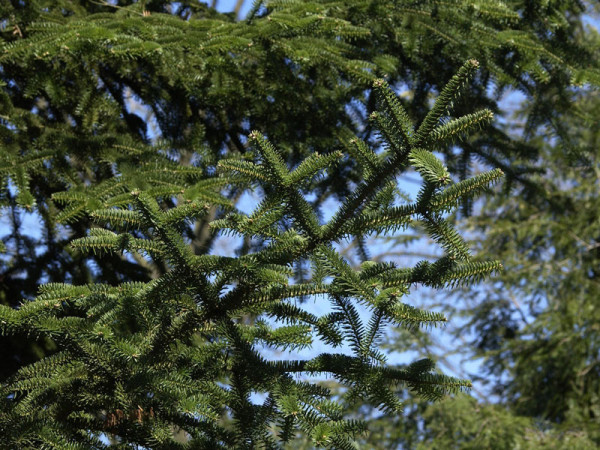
126	128
535	328
179	351
462	423
538	326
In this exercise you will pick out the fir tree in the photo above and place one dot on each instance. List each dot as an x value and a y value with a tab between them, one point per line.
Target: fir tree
143	325
139	360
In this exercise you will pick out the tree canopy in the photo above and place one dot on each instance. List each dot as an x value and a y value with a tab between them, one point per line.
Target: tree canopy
135	131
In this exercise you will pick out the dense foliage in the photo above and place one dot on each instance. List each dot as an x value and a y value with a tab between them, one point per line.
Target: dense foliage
538	325
126	128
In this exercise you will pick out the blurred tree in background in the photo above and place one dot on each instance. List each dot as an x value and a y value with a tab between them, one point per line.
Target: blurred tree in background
535	327
538	326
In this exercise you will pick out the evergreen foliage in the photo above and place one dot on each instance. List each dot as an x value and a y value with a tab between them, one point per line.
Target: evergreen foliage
125	127
139	360
463	423
534	330
538	325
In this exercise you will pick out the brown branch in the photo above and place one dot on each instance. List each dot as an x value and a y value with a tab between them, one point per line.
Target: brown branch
238	8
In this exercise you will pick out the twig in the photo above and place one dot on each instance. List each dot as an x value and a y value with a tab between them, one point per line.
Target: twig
238	7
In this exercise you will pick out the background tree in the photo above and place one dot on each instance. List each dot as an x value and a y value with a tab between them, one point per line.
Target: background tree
535	327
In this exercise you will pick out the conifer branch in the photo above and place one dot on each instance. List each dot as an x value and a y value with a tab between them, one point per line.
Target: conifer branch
444	101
